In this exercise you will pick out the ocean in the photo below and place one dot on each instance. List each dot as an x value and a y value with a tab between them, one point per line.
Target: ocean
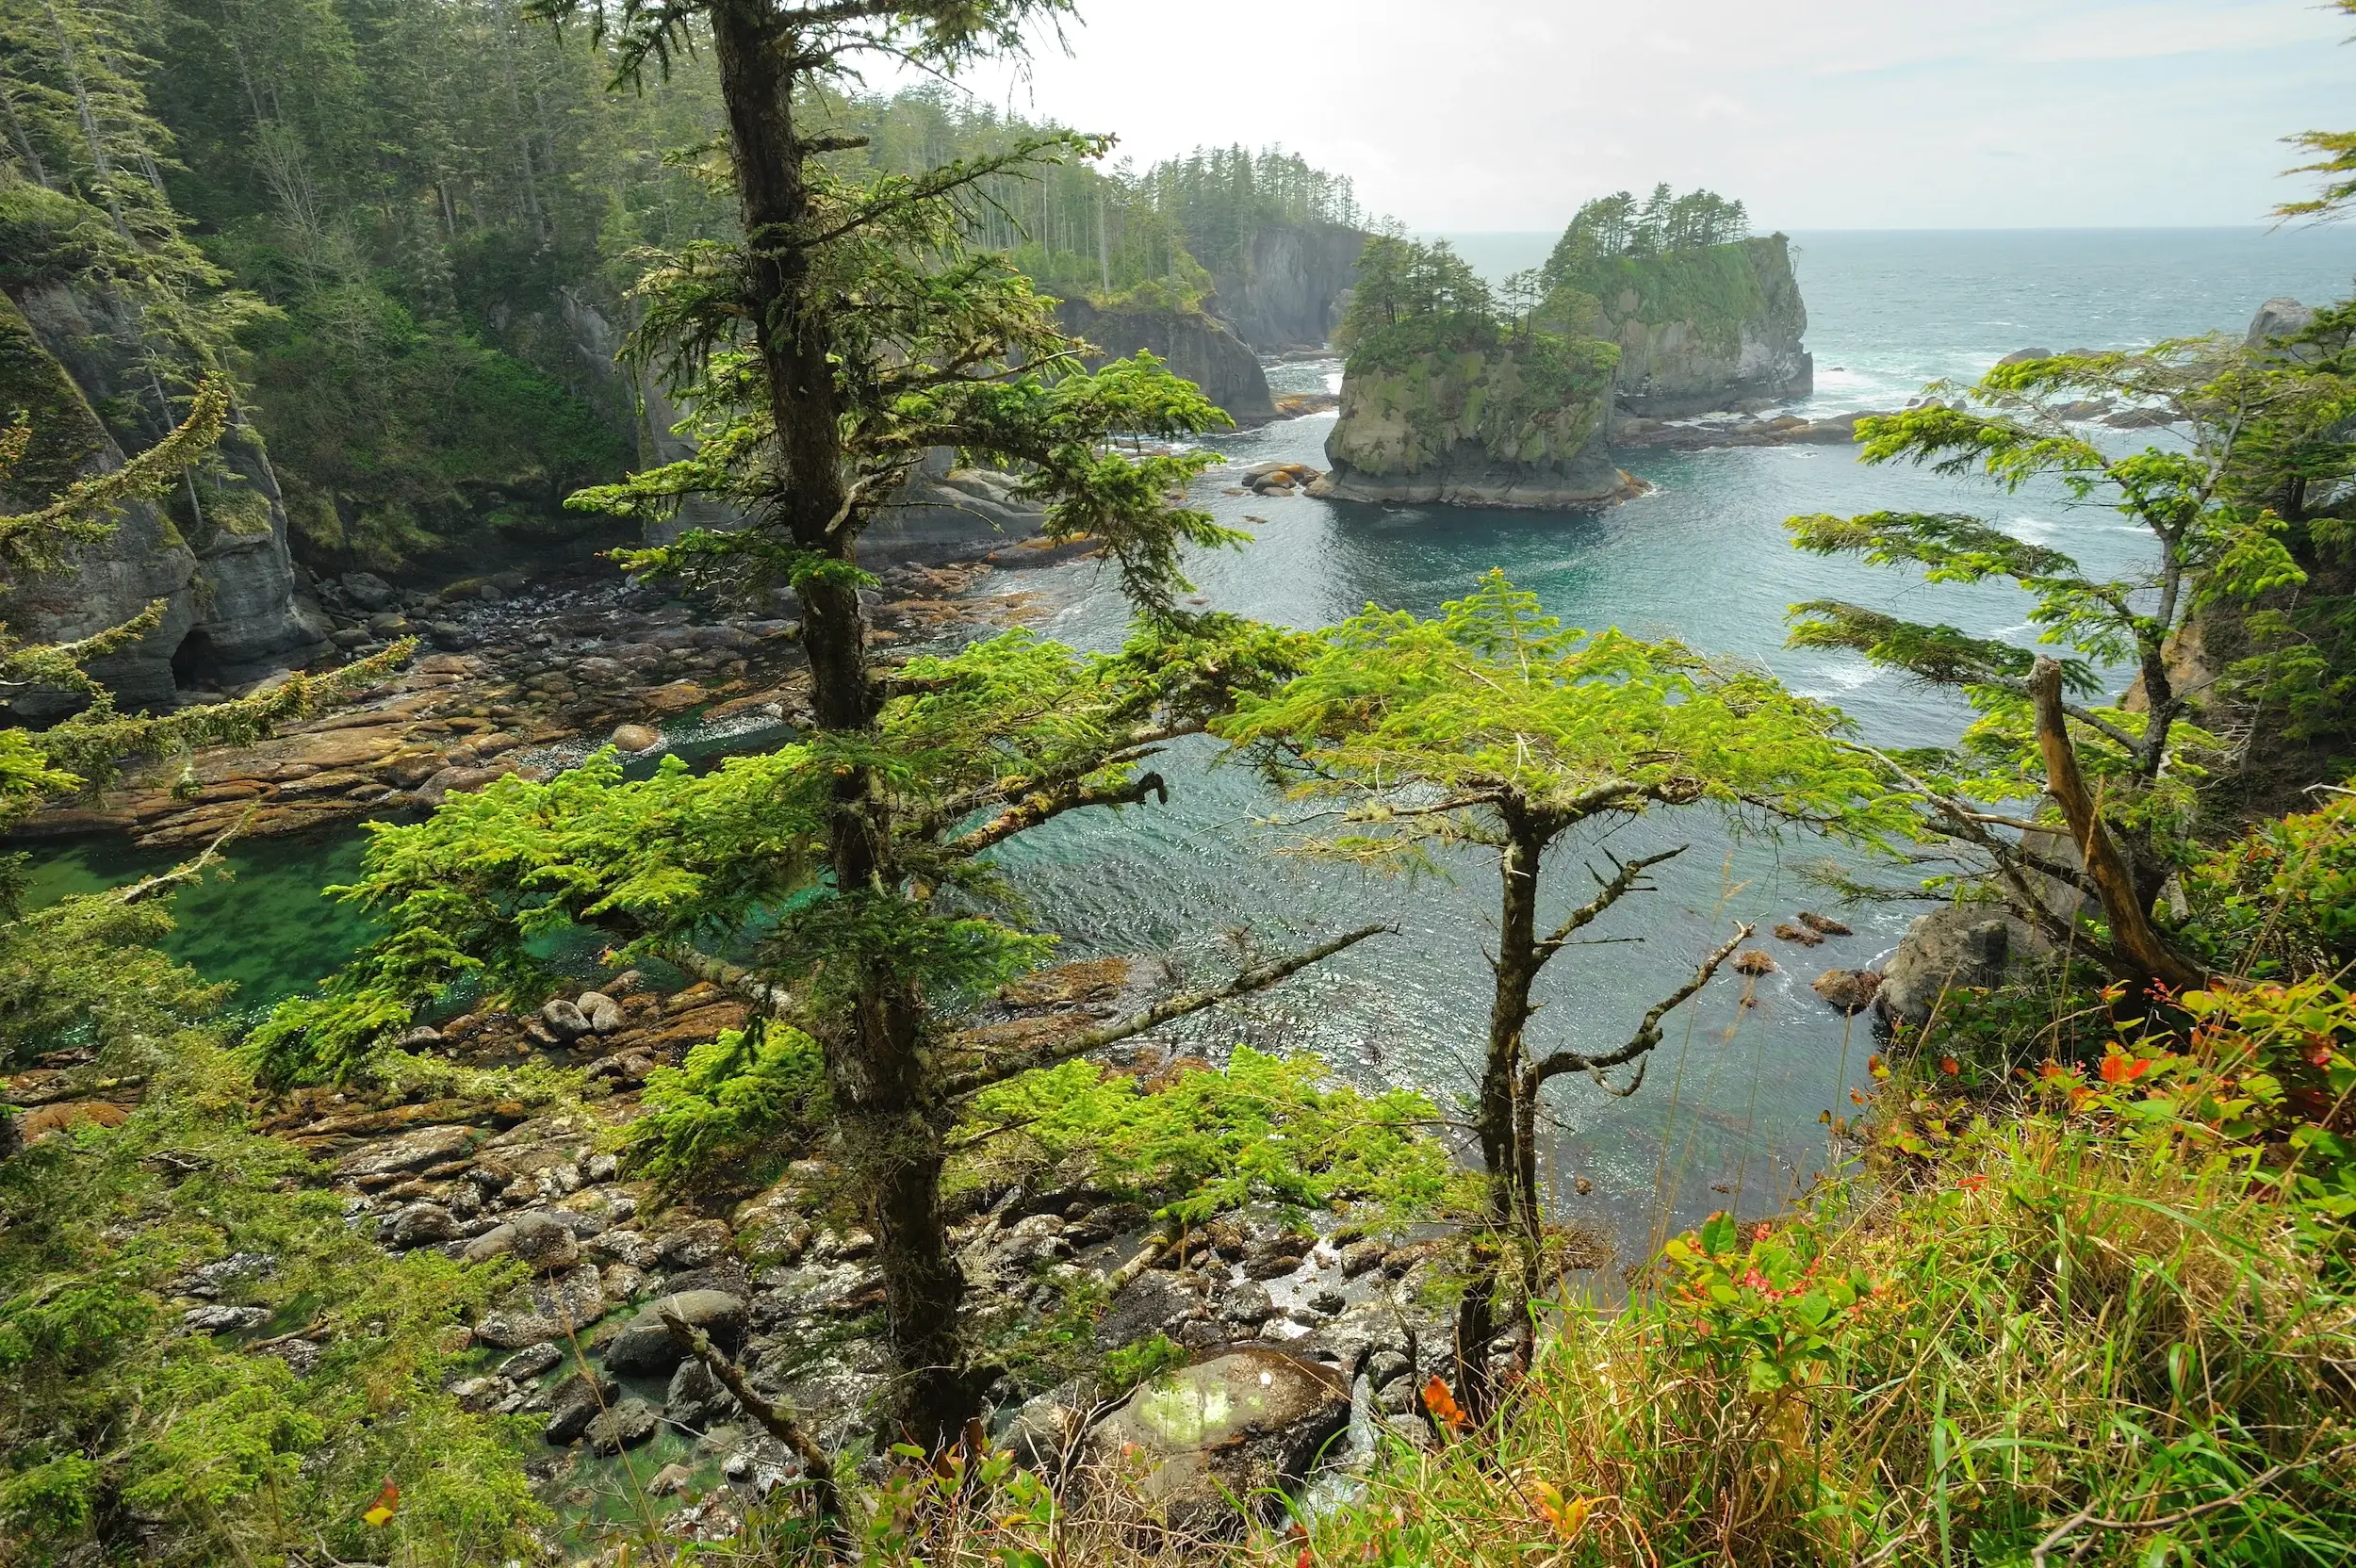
1732	1112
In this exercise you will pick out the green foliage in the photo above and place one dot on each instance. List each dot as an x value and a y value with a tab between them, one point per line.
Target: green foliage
1496	702
475	889
1767	1314
1611	227
1264	1128
1411	299
2055	1335
398	439
740	1104
111	1419
2280	900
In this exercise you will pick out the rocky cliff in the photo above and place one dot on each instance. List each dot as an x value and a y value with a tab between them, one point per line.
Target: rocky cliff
1194	346
1704	329
216	557
1288	289
1517	424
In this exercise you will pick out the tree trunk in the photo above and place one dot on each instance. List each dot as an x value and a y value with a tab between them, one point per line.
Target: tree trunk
2133	937
890	1123
1506	1123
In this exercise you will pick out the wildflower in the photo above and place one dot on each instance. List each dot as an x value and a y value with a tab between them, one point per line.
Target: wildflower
1949	1065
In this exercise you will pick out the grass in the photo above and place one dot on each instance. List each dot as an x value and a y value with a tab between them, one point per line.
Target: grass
2064	1338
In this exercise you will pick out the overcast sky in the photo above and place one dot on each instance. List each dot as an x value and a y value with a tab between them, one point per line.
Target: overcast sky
1506	114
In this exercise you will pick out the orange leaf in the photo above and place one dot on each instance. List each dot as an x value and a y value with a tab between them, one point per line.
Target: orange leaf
381	1512
2123	1069
1443	1405
1305	1559
1949	1065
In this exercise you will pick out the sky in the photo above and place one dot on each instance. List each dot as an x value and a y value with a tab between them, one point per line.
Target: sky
1506	114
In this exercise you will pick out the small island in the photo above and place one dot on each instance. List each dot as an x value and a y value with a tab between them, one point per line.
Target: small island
1463	394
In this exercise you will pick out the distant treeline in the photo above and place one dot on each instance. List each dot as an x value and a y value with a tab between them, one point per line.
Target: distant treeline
370	214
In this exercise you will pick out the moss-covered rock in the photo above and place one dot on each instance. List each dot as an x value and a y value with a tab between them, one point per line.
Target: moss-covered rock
1702	329
1514	422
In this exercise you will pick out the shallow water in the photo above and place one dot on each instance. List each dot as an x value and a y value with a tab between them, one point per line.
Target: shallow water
1731	1114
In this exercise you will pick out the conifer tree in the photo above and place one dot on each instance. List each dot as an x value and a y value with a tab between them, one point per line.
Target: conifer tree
851	332
2041	732
1495	726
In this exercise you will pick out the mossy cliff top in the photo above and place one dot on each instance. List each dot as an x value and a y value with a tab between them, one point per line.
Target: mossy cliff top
1537	401
1698	329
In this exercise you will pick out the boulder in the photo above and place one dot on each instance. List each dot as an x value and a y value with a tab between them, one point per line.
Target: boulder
1961	946
644	1345
622	1426
636	738
695	1245
368	591
634	1248
532	1362
564	1018
1239	1425
600	1011
1045	1429
426	1146
1247	1305
2024	356
418	1225
2281	316
1849	990
518	1330
219	1319
696	1401
541	1241
1155	1302
575	1402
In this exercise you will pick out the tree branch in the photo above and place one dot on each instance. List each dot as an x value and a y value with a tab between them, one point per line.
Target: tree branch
1036	808
1629	878
1648	1034
1257	979
824	1496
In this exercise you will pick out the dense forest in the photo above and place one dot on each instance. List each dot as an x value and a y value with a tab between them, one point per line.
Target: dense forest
710	1162
383	221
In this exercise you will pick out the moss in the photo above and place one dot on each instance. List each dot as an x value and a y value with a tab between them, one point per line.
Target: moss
1716	289
1534	400
67	436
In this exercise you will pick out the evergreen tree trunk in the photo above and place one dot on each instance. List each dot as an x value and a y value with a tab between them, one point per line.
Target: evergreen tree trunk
1506	1120
889	1119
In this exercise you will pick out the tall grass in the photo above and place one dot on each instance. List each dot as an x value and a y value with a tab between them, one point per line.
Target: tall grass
2071	1348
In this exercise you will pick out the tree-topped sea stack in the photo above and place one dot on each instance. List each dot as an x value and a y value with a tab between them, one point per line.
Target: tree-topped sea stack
1451	395
1703	315
1466	395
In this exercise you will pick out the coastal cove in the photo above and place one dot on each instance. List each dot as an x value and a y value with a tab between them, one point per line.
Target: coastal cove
1703	558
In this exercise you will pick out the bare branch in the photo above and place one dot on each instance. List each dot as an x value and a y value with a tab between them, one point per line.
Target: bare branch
1255	979
1628	877
1036	808
2149	956
1648	1034
777	1420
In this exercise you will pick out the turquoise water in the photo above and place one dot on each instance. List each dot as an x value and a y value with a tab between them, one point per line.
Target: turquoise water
1730	1112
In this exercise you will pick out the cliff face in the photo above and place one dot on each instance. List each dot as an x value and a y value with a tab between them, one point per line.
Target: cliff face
231	612
1290	289
1704	329
1194	346
1514	425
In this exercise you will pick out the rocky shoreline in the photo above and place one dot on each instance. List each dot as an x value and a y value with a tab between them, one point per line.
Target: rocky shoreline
1288	1323
524	678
